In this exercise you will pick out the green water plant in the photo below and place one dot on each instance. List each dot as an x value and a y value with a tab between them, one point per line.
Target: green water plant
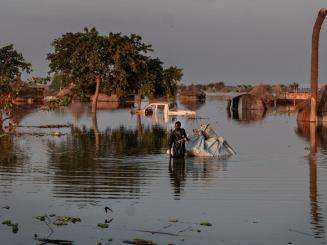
103	225
205	223
14	226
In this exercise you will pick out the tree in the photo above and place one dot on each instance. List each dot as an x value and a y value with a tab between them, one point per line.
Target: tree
171	78
12	64
90	57
116	63
158	81
294	86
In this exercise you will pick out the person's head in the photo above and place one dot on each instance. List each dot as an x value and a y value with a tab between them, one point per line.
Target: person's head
178	125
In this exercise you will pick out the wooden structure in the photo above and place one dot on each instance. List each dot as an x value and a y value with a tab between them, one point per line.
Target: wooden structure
315	62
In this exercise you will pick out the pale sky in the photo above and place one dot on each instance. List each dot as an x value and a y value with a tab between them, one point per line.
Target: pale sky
212	40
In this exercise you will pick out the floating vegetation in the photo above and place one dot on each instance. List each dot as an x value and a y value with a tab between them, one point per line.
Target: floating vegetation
40	217
14	226
139	242
7	222
64	220
56	134
205	223
103	226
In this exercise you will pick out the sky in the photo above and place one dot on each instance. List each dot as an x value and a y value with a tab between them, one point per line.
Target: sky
236	41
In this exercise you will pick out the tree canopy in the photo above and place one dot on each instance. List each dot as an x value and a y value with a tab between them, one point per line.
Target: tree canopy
120	62
12	63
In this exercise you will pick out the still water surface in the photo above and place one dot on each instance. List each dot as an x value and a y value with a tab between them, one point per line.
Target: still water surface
273	192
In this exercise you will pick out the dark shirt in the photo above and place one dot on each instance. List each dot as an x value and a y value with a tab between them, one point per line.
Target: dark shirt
177	142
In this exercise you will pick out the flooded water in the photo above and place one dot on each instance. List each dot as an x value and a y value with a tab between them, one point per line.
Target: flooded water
272	192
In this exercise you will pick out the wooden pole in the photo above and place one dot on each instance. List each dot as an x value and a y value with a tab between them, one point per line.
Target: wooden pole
314	63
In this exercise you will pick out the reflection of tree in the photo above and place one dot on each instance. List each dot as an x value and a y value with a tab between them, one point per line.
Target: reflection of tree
10	154
192	104
76	109
320	139
96	130
82	167
310	131
11	158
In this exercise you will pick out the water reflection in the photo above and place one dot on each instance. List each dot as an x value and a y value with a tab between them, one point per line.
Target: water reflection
310	131
193	105
12	160
177	175
90	163
246	116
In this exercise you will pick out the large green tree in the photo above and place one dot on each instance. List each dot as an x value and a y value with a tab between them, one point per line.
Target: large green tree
108	60
117	64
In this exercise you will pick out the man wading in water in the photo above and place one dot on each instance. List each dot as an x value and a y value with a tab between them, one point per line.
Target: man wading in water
177	141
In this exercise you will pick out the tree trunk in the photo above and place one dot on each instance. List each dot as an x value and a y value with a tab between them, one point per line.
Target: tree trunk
1	122
314	63
96	94
139	100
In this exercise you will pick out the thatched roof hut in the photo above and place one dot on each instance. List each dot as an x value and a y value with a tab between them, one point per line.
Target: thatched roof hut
247	107
262	92
247	102
107	98
193	93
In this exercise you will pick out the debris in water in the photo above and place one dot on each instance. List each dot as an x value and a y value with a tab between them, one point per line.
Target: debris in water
107	208
14	228
108	221
255	221
158	232
173	220
6	207
55	241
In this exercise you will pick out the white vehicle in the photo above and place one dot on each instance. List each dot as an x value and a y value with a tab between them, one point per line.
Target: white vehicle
155	107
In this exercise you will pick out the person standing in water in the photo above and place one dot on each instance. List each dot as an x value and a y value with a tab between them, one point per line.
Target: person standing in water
177	141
